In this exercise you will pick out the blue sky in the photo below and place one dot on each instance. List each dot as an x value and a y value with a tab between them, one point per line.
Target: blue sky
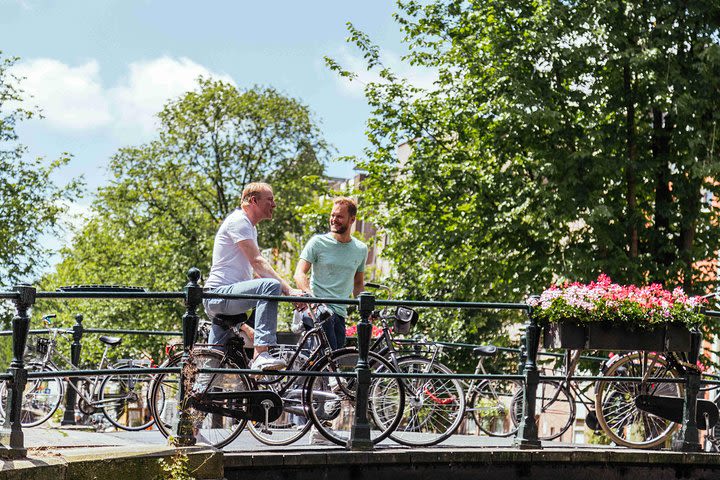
100	69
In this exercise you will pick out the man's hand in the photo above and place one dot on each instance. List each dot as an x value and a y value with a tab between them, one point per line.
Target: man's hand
295	292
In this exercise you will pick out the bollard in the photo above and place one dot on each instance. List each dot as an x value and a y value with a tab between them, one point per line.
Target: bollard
12	439
527	434
689	437
184	436
71	395
360	432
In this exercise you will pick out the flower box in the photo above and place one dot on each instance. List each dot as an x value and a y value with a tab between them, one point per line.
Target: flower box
612	336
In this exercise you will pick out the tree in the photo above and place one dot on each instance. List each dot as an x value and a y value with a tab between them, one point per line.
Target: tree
159	214
560	139
31	202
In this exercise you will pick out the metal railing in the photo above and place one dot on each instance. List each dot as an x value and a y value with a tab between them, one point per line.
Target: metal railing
24	297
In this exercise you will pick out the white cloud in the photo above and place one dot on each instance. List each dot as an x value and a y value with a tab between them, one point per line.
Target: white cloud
418	76
148	86
74	98
71	98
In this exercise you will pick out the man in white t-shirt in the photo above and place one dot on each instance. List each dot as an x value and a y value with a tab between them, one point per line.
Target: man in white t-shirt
236	260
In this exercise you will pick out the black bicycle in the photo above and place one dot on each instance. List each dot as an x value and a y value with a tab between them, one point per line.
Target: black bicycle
219	404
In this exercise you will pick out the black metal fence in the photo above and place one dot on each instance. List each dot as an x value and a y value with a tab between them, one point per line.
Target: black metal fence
23	296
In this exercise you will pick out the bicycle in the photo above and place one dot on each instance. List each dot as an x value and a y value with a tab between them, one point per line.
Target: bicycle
435	407
637	414
556	402
122	398
327	402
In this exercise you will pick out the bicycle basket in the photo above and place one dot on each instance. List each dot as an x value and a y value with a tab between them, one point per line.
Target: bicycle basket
405	319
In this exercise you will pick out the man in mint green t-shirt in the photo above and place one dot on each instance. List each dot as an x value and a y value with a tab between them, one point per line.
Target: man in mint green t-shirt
338	264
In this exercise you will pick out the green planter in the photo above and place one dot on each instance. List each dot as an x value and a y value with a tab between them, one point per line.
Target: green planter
609	336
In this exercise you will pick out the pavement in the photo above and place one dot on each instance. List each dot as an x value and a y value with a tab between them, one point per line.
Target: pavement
79	453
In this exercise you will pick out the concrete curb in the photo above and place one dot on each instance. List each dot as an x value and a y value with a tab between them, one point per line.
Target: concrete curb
102	463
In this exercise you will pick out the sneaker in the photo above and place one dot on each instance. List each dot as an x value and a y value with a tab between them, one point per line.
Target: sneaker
317	438
265	361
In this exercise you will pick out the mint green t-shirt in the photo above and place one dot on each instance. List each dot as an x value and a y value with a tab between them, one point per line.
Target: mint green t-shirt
334	265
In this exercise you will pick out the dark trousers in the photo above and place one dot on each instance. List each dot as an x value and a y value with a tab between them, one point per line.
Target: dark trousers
335	330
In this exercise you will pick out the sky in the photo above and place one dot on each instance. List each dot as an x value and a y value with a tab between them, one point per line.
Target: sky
100	70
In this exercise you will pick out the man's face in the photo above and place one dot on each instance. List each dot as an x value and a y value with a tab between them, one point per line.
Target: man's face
265	204
340	219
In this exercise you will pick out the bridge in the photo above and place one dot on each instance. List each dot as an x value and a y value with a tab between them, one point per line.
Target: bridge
73	453
79	454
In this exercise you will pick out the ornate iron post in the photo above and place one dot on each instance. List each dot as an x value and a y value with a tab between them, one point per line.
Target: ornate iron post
360	432
183	429
689	438
75	349
527	434
12	439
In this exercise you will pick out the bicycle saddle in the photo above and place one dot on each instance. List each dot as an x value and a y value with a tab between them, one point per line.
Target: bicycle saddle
485	351
228	321
112	341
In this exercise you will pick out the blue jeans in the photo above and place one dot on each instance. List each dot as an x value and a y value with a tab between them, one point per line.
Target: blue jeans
265	311
334	329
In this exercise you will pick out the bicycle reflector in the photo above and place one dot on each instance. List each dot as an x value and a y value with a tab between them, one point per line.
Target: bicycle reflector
405	319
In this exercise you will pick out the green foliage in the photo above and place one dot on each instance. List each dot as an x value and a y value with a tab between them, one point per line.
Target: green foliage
159	214
560	138
177	468
31	202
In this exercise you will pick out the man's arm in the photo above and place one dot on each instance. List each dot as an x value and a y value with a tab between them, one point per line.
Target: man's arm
261	266
359	283
301	275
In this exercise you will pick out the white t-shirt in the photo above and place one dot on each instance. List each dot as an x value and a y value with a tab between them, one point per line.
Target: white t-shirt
229	263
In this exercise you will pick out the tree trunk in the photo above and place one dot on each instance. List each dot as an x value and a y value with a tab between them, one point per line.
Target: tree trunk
662	247
630	168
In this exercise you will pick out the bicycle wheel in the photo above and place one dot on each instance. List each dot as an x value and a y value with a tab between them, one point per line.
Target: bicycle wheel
293	423
214	429
554	409
434	407
617	414
124	399
330	401
491	407
41	397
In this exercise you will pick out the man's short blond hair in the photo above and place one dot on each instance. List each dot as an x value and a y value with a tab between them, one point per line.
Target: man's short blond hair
253	190
350	203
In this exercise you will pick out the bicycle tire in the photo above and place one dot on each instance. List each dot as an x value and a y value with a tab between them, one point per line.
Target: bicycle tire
617	414
214	429
41	397
434	407
330	401
554	409
491	407
122	396
712	439
293	424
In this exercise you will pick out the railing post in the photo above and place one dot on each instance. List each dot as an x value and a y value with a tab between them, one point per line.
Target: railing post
184	435
523	354
689	438
360	432
527	434
12	439
71	394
